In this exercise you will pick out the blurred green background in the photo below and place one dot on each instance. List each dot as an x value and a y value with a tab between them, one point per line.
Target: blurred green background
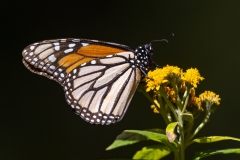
36	122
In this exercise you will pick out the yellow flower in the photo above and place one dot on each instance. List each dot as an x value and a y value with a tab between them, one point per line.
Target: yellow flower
193	101
160	76
210	97
170	93
155	110
182	87
192	76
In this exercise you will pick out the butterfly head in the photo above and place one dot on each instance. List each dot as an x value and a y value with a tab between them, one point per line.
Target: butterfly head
143	56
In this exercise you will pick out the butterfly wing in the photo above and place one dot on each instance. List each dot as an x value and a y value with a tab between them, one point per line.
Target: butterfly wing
98	77
100	91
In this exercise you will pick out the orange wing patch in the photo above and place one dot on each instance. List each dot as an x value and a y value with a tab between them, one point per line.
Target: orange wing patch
86	54
68	60
98	51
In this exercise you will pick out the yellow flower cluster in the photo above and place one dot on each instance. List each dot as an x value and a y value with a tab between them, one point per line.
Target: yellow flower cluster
211	97
164	75
176	83
207	96
192	76
160	75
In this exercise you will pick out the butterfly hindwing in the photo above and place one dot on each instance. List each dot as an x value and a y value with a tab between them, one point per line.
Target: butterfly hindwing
100	90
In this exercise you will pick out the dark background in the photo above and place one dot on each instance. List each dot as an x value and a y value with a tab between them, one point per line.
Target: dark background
36	122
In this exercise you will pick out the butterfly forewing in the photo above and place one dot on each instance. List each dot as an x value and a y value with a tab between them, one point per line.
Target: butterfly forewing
56	58
99	78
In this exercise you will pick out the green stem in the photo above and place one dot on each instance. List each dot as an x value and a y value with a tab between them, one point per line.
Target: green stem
182	149
205	120
176	155
170	105
185	99
175	87
188	135
162	110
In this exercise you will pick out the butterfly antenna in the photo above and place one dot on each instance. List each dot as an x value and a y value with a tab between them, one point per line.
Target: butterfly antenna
171	33
158	40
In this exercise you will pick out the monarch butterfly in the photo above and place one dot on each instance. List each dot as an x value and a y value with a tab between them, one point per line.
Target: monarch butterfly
99	78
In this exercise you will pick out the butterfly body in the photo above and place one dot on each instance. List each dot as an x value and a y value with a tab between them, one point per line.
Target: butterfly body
99	78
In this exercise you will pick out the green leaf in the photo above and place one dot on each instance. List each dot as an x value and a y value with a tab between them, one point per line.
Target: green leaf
152	152
203	154
187	117
212	139
157	130
129	137
170	131
126	138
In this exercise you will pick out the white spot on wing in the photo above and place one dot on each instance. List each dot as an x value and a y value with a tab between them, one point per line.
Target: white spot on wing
52	67
74	71
57	48
71	45
68	50
52	58
76	40
83	64
62	75
32	47
93	62
85	44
